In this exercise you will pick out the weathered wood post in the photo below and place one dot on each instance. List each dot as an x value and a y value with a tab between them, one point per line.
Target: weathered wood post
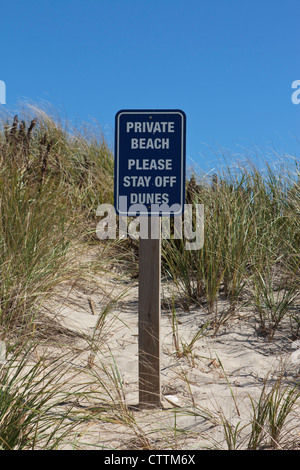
149	309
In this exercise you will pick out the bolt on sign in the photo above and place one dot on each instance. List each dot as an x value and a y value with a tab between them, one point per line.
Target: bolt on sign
150	162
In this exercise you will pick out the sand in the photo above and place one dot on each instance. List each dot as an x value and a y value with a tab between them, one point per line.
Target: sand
216	383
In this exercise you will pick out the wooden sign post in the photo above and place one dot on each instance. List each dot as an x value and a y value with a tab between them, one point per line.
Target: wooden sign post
149	308
150	182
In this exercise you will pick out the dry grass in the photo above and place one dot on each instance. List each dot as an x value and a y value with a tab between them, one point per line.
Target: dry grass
60	387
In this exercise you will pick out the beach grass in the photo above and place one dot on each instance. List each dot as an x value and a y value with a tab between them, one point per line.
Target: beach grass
53	176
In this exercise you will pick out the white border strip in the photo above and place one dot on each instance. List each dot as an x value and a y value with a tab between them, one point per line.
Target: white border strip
182	161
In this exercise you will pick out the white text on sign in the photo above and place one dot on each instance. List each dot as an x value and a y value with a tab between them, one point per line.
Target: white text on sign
150	164
151	128
150	160
144	181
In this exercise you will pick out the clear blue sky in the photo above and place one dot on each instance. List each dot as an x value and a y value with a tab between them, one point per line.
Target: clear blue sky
228	64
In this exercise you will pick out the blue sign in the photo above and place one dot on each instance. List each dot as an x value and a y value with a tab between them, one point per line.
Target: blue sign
150	162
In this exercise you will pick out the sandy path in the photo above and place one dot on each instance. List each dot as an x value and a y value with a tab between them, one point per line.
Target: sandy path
217	379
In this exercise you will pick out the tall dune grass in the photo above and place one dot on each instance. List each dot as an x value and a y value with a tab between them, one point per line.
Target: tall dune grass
251	229
51	180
